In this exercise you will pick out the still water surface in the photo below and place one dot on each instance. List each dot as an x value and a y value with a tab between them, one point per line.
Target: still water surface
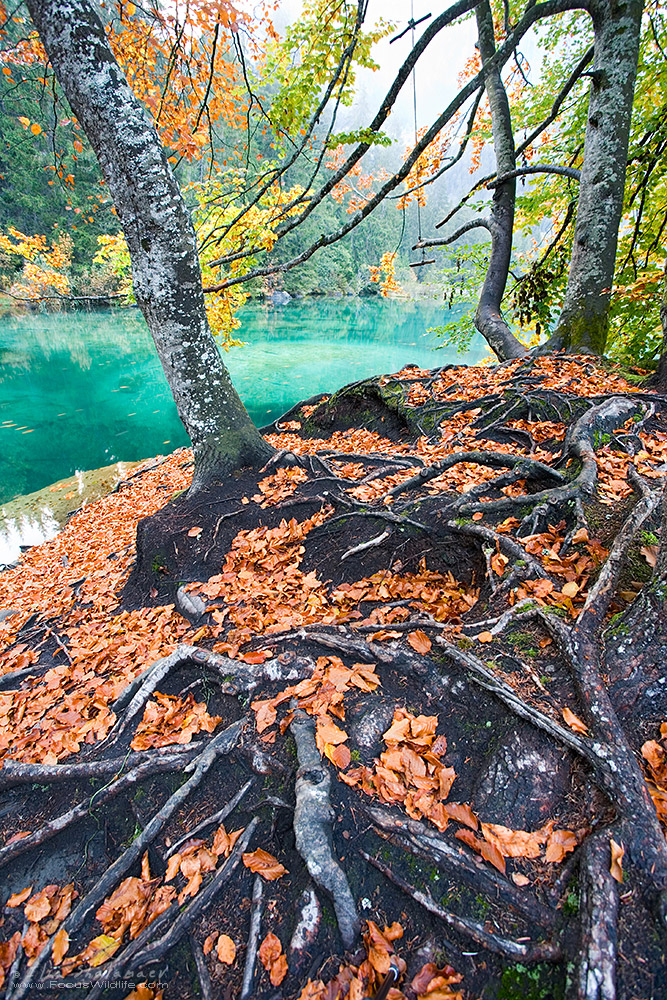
84	390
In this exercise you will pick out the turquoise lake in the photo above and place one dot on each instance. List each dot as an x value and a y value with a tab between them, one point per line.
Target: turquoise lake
83	390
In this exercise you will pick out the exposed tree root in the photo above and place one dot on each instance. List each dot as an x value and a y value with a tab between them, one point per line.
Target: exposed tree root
595	974
415	837
216	817
220	744
312	828
517	951
415	566
154	765
205	986
253	938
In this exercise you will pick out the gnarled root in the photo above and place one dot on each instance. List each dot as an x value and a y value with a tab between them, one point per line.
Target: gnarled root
595	976
312	827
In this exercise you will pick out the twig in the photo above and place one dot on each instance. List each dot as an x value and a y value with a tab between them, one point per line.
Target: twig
370	544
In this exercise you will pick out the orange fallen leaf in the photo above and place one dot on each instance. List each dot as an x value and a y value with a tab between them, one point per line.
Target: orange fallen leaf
570	589
207	947
462	813
477	516
488	851
60	946
516	843
19	897
574	722
38	907
17	836
264	864
484	637
419	641
143	991
616	867
520	879
272	958
195	532
560	843
226	949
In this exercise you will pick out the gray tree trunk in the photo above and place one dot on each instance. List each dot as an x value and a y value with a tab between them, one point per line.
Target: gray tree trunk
584	319
159	234
488	317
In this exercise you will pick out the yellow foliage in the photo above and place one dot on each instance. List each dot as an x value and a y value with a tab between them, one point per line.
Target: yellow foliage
387	267
44	265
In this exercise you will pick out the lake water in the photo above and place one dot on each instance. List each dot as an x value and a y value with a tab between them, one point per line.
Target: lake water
84	390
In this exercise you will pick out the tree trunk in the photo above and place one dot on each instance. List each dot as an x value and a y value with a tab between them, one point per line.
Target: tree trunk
159	234
488	317
584	319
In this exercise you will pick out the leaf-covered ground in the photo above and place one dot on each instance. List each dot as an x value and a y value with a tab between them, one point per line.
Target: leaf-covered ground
390	711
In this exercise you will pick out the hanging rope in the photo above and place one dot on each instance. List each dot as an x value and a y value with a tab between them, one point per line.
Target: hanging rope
412	24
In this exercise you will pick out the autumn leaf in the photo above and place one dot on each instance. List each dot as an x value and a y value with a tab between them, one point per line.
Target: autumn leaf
650	554
338	755
570	589
328	733
17	836
488	851
173	867
264	864
519	879
616	866
195	532
226	950
484	637
560	843
462	813
574	722
272	958
19	897
419	641
38	907
207	947
60	946
100	950
516	843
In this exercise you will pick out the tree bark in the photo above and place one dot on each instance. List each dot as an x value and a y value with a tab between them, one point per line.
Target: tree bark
584	318
488	317
159	233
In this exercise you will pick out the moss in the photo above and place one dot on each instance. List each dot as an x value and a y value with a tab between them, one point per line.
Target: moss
540	982
525	642
571	903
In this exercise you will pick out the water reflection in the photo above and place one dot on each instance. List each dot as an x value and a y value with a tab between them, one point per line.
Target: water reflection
39	516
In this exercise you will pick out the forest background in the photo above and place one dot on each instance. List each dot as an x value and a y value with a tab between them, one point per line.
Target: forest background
61	233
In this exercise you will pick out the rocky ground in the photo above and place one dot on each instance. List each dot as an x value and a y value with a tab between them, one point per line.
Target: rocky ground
387	714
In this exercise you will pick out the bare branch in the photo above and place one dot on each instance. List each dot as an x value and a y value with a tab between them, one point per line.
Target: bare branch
473	224
539	168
